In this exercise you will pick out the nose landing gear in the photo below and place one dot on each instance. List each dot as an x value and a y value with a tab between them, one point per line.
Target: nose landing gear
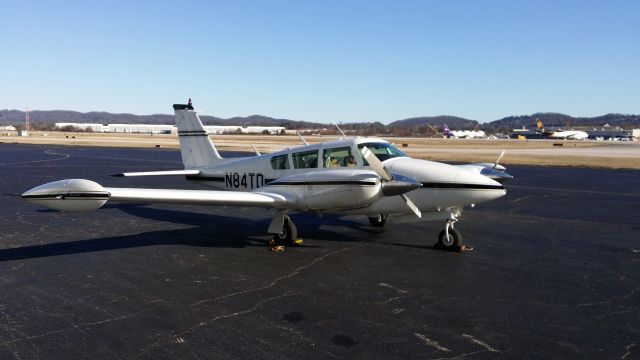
450	238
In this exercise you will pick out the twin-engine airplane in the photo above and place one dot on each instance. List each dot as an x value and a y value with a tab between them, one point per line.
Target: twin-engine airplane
362	176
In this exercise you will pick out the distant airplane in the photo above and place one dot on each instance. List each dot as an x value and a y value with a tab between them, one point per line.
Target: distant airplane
357	176
463	134
567	135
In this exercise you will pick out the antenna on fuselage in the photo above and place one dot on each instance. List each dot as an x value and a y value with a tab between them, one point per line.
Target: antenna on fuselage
256	150
341	132
302	138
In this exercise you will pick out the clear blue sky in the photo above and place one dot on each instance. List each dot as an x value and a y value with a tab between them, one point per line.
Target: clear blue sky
324	61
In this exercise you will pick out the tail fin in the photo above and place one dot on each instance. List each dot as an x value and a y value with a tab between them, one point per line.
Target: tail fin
446	131
539	125
196	147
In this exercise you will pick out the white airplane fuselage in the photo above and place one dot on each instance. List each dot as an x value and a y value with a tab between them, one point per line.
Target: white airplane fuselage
468	134
569	135
442	185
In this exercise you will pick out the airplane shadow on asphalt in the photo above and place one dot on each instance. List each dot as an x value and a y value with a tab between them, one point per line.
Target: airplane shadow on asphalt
209	230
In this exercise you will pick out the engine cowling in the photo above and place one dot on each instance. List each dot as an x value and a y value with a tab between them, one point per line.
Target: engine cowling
73	195
329	190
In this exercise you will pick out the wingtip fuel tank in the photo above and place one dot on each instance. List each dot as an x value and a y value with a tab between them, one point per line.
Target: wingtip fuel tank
72	195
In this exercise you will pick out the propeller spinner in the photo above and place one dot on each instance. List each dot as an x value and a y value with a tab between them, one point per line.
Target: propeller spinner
393	184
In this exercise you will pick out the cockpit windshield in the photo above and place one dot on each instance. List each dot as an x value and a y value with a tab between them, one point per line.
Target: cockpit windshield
381	150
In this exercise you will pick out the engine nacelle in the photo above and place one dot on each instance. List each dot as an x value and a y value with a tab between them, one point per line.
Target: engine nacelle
330	189
71	195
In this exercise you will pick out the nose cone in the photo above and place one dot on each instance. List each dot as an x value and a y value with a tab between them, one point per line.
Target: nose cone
481	188
447	185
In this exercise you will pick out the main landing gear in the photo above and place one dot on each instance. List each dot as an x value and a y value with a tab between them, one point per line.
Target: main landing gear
282	230
378	221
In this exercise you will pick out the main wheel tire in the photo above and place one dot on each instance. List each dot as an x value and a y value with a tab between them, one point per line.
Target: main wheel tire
288	235
452	242
378	221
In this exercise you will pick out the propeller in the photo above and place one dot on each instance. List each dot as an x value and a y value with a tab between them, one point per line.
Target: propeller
495	164
393	184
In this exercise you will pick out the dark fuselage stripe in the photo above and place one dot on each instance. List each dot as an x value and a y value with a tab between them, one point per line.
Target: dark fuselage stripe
101	196
355	182
205	178
328	182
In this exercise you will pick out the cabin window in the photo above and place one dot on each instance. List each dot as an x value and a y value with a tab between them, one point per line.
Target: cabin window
338	157
382	151
306	159
280	162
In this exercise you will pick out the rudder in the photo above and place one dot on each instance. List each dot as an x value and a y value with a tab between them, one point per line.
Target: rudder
196	147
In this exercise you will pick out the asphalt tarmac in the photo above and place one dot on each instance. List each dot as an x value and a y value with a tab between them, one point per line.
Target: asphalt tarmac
555	273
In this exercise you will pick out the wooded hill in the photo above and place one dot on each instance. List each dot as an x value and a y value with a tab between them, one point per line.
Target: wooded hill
412	126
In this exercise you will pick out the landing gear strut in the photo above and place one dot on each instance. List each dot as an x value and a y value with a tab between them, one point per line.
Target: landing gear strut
450	238
282	229
378	221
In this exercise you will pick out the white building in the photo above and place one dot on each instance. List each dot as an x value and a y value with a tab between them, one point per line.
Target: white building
168	129
222	129
138	128
81	126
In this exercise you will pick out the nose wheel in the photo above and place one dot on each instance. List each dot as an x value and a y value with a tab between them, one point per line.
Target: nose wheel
450	238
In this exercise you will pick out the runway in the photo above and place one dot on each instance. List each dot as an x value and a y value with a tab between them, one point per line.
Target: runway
554	273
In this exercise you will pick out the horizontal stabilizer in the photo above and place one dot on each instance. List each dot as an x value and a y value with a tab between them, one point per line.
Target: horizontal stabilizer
160	173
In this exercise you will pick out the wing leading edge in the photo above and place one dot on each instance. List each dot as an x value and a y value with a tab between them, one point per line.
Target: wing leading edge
160	173
197	197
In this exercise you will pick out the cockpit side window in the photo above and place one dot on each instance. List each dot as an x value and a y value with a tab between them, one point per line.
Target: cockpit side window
305	159
381	150
280	162
338	157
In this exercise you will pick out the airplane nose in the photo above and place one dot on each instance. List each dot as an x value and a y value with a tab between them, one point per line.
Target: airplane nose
481	187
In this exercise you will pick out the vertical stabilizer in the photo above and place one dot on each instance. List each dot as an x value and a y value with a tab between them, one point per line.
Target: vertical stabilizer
447	132
196	147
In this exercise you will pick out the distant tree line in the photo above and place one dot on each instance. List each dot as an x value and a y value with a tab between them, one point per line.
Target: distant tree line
417	126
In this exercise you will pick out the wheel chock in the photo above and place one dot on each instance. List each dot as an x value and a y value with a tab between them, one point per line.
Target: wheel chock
464	248
297	242
460	249
278	248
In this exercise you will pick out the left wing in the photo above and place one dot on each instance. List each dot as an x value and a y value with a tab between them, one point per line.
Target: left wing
201	197
87	195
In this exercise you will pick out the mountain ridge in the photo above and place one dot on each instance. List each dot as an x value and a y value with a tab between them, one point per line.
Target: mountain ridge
419	124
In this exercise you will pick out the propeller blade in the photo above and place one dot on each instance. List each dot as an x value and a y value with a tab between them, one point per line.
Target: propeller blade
411	205
495	164
375	164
